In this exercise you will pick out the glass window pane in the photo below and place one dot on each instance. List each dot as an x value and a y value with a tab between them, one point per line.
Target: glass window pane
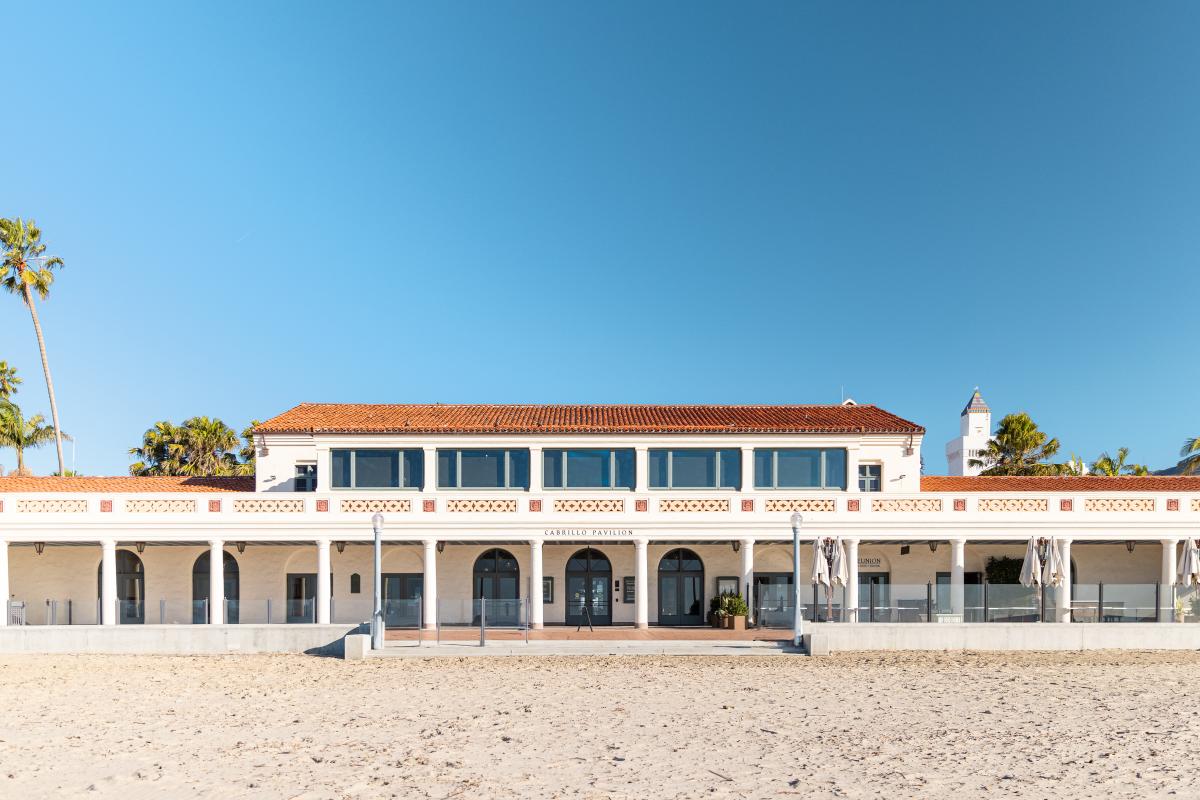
625	469
693	469
799	468
658	469
376	469
588	469
447	469
731	469
518	470
340	468
690	562
482	469
762	468
414	469
552	469
835	469
670	562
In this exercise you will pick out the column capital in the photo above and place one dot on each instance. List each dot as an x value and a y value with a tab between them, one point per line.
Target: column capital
1169	541
537	543
216	542
109	544
641	542
323	542
429	543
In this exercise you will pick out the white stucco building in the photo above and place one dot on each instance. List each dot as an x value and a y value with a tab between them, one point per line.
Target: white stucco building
638	514
974	431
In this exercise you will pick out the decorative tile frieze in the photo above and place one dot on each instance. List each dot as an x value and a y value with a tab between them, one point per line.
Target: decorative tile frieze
908	505
802	504
52	506
697	505
960	504
429	506
747	505
641	505
1195	504
1173	504
268	506
535	506
106	506
481	506
1013	504
1118	504
160	506
323	505
1066	505
854	504
390	505
589	506
214	506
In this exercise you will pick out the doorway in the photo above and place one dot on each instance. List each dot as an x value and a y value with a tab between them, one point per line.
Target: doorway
131	588
589	588
681	589
402	593
200	584
874	596
497	579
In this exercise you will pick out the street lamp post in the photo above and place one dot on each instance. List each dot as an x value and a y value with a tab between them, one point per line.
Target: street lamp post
797	613
377	614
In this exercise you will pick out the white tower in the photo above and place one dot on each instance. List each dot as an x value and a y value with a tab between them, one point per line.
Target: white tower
975	429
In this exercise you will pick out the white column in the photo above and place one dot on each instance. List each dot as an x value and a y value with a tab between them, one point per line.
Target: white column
851	546
324	470
1064	591
216	582
536	610
747	469
958	562
535	469
323	581
640	585
430	590
748	574
1168	578
108	582
852	469
431	477
642	468
3	582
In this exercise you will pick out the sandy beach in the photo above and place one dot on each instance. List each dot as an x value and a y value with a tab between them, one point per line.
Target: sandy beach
1028	725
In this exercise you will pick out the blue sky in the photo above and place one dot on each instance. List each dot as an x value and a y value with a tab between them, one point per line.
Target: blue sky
262	204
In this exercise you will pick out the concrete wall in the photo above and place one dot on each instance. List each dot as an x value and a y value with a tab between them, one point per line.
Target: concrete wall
176	640
1006	636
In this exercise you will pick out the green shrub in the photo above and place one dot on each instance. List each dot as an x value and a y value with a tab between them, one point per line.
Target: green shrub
734	605
1003	570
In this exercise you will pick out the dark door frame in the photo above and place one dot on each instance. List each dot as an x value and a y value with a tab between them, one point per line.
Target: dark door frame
588	575
683	619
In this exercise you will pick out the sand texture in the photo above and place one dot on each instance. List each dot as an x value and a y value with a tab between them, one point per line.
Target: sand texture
891	725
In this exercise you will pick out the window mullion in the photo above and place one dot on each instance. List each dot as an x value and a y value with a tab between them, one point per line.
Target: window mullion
353	469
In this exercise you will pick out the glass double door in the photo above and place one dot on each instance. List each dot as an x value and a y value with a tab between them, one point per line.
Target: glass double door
589	598
681	598
402	599
774	599
503	595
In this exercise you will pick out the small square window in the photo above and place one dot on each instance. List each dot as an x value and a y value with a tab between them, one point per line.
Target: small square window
306	478
870	477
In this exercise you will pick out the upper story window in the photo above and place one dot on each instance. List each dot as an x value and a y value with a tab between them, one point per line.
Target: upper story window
377	469
870	477
483	469
306	478
695	469
808	468
588	469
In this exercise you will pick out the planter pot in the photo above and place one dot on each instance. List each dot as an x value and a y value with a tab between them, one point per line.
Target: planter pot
715	620
736	623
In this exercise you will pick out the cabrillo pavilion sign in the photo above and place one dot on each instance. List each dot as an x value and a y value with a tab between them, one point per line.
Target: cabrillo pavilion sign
589	532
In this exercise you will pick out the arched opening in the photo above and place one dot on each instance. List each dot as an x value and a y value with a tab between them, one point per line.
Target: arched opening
681	588
131	588
589	588
200	584
497	579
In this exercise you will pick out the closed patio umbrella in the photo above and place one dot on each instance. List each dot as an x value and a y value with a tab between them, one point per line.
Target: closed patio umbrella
840	572
1189	565
1031	568
820	570
1053	572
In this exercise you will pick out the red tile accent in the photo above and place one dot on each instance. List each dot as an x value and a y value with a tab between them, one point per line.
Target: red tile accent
1	506
105	506
854	505
640	505
747	505
322	505
1066	505
535	505
960	504
1173	504
428	505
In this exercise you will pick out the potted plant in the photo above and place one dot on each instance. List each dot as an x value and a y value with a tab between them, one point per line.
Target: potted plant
716	613
1181	609
735	611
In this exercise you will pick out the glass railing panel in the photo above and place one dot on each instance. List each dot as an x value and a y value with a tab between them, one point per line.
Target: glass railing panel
402	613
1012	602
1129	602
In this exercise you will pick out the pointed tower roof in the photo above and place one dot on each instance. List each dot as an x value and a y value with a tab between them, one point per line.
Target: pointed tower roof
976	403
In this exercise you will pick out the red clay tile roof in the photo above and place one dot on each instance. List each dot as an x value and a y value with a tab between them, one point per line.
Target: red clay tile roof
17	484
484	419
1066	483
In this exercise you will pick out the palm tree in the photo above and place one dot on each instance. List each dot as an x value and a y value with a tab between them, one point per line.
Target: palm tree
1018	448
22	243
248	452
1107	465
1189	463
162	451
210	446
200	447
20	433
8	380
